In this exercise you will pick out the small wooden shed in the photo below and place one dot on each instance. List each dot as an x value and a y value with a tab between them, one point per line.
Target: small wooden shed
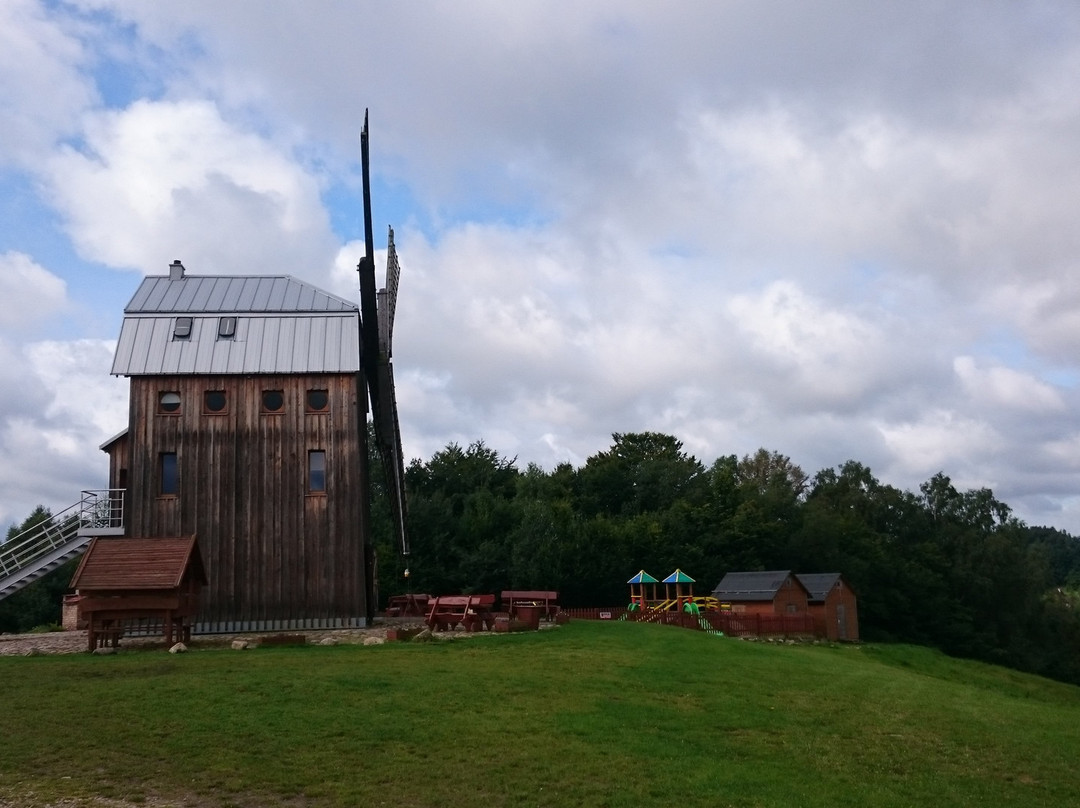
121	579
774	592
833	604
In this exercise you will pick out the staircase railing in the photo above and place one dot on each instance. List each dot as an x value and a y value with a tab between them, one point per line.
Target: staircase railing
96	512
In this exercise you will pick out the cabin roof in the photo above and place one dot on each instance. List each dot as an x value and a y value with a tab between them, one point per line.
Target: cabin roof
119	563
818	584
751	585
282	325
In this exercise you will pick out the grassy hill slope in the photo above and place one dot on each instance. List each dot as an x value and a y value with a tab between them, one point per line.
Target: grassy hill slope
596	714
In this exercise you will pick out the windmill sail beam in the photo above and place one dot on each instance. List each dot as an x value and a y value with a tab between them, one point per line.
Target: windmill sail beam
376	330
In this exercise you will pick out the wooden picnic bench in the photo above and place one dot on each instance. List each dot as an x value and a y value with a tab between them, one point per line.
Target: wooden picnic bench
473	612
405	605
512	599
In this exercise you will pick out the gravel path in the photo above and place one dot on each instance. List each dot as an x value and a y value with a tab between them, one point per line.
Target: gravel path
74	642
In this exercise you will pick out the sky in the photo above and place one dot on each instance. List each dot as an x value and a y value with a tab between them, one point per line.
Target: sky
834	230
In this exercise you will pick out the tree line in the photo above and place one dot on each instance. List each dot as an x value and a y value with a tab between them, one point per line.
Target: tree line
943	567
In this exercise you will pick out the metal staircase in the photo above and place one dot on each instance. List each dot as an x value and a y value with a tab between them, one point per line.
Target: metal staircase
42	548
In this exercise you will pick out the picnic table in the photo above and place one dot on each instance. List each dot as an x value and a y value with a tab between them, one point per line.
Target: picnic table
406	605
473	612
518	600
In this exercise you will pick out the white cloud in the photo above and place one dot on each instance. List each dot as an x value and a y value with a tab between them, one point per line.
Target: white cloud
63	407
165	180
41	83
936	440
1008	388
29	292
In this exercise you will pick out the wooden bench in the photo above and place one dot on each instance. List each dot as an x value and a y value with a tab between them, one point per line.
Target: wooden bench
406	605
513	598
473	612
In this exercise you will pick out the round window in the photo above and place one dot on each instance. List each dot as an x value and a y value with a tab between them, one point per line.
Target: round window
273	400
317	400
169	402
214	400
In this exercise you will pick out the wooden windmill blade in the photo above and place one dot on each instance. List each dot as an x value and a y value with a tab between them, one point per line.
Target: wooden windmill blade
376	332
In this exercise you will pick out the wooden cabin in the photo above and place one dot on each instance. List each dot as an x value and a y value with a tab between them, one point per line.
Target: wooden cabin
775	592
120	580
247	427
833	604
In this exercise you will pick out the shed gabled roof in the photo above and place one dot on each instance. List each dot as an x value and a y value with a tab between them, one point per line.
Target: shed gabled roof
283	325
118	563
818	584
751	585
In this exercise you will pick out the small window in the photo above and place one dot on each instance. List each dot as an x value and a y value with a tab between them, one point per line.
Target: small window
215	402
273	400
182	328
169	402
226	327
170	477
317	472
318	400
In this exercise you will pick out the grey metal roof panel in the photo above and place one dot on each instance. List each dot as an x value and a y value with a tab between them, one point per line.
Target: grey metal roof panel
818	584
751	585
194	294
287	343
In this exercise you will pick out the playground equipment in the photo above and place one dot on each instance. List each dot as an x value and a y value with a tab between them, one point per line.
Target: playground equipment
682	599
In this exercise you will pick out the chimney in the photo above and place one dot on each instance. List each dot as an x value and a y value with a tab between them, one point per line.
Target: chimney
176	271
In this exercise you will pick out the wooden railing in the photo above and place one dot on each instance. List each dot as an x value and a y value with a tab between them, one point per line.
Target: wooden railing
730	623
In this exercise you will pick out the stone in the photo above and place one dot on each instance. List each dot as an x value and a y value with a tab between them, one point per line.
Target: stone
240	645
34	652
374	640
179	648
328	641
104	650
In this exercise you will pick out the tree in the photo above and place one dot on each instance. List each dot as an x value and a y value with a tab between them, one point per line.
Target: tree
40	603
642	472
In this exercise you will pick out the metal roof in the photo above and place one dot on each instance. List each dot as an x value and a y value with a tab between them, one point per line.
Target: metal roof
222	294
818	584
282	326
751	585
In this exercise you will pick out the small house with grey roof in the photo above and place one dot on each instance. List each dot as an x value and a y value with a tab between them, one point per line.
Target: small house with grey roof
833	604
247	427
773	592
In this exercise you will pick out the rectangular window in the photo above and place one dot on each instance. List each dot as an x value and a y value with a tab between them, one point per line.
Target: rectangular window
182	328
316	472
170	476
226	327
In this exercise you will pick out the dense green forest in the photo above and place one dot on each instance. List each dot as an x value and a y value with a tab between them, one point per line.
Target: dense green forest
942	567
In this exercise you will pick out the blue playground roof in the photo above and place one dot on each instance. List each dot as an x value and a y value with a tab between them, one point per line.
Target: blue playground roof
642	578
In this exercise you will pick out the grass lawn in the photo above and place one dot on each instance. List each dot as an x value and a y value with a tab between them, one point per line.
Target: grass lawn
590	714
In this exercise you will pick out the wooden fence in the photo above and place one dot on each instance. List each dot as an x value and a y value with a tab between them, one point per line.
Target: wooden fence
731	624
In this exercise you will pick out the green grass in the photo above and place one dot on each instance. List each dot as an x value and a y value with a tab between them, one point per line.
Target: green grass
593	714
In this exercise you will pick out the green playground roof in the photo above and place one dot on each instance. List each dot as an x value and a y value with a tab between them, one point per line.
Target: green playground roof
678	577
643	578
